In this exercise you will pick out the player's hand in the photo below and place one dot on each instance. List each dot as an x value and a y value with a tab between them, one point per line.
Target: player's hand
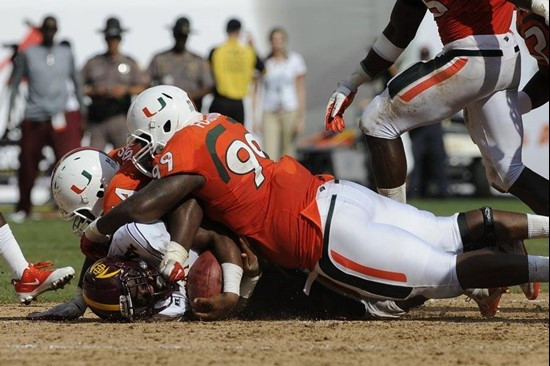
172	270
70	310
93	250
215	307
337	105
251	265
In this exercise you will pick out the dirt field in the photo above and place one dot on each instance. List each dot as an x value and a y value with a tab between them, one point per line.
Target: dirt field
442	333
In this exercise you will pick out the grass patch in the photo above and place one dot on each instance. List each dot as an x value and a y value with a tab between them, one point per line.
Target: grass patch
51	239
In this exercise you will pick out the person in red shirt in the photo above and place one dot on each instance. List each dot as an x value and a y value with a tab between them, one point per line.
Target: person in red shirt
348	237
478	70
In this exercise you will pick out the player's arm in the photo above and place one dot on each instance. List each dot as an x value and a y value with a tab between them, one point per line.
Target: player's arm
535	93
222	243
406	17
149	204
539	7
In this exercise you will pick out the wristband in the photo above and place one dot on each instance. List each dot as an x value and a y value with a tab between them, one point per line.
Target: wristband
93	234
248	284
386	49
356	79
232	275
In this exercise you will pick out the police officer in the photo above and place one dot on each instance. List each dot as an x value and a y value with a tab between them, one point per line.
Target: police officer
110	80
182	68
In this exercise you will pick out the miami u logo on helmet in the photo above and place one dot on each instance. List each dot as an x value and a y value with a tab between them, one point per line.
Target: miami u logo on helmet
162	103
86	175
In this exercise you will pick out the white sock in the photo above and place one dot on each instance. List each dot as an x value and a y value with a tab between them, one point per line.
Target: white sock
11	253
398	194
538	269
538	226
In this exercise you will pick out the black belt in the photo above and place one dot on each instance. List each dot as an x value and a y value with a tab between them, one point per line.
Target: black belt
478	53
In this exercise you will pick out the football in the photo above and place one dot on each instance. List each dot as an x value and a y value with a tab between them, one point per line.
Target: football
205	277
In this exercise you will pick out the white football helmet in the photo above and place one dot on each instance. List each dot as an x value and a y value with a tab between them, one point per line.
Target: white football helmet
78	185
154	117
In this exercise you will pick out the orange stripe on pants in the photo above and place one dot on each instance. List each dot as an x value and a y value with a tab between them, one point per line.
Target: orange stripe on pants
372	272
434	80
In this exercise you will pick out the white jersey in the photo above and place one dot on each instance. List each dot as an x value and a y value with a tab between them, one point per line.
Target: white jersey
148	242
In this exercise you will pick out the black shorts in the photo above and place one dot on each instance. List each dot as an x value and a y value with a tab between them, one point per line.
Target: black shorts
228	107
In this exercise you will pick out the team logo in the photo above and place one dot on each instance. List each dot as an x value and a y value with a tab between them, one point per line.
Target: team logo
162	103
86	175
101	271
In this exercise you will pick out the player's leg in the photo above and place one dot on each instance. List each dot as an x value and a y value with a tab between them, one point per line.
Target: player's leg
424	94
10	251
29	280
387	262
496	126
486	268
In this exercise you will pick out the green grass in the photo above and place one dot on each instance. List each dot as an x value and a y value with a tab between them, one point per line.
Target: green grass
52	240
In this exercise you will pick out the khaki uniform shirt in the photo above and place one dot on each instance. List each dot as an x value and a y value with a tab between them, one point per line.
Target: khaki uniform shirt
102	71
186	71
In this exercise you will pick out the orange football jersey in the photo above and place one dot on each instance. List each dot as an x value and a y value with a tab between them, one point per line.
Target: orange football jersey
534	30
125	182
246	191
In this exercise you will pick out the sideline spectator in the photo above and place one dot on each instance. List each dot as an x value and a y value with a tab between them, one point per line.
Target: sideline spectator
284	97
430	157
233	66
110	80
182	68
48	68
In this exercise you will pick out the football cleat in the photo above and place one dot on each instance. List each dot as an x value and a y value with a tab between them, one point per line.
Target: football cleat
487	300
530	290
37	279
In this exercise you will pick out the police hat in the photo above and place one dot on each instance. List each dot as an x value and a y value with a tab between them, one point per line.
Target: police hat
113	28
182	27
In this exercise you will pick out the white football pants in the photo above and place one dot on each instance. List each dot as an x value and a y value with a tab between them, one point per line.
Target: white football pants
375	247
480	74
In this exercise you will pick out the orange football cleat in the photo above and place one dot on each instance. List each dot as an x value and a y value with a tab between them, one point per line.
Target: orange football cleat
37	279
488	300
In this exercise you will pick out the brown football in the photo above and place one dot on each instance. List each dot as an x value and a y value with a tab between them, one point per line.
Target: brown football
205	277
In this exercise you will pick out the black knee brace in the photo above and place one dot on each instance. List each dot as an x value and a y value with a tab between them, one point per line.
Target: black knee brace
489	236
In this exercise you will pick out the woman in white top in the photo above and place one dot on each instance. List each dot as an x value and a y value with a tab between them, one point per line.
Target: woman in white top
284	98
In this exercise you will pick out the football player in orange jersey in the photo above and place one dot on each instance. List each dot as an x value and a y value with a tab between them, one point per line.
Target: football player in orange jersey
343	234
478	70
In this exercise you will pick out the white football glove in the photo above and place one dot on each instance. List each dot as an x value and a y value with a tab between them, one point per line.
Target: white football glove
172	263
